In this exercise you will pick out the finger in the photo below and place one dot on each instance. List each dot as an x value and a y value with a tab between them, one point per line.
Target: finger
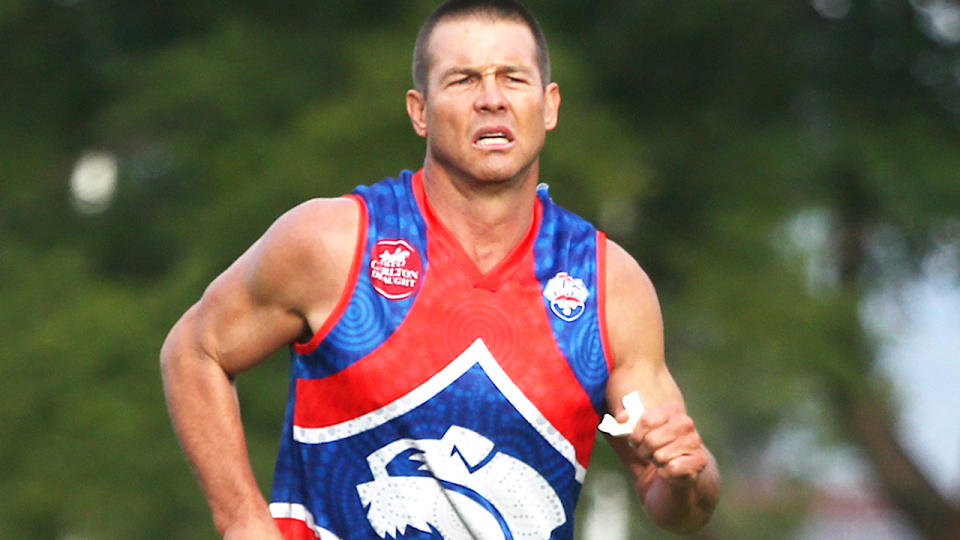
642	448
679	428
683	469
653	419
663	434
660	448
647	423
676	450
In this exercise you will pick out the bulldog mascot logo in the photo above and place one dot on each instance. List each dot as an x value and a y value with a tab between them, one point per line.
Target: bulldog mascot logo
457	487
567	296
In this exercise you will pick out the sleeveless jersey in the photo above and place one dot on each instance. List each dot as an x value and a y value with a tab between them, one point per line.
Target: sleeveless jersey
440	402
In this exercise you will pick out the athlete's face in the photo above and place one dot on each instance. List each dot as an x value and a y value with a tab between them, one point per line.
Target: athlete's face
485	112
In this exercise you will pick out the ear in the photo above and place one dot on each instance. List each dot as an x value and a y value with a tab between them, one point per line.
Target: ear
551	105
416	109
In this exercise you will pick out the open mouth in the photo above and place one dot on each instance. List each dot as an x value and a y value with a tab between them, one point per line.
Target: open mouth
493	137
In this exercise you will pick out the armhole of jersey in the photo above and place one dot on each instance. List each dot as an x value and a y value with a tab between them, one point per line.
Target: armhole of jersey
602	297
347	294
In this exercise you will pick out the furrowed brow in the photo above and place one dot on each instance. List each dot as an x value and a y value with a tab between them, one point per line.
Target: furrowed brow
467	71
459	71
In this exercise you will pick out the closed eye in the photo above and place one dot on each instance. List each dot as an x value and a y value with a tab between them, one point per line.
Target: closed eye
460	79
516	78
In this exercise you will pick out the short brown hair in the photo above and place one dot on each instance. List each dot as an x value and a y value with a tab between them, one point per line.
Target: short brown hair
496	10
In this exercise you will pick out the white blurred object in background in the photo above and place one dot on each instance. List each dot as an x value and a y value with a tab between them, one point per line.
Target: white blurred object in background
93	183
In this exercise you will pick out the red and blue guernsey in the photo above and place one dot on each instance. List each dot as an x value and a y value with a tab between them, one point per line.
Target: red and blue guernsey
441	402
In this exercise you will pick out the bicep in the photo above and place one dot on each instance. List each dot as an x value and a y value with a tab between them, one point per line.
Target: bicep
237	322
265	299
635	331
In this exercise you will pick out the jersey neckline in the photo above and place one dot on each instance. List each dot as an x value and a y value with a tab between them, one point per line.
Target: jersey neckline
499	274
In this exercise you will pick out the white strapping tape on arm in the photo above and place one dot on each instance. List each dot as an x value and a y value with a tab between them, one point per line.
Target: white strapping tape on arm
634	406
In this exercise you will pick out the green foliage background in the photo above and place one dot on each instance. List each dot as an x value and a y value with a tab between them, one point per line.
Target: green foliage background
694	132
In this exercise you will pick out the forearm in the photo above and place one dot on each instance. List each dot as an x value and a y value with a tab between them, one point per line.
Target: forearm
682	508
206	417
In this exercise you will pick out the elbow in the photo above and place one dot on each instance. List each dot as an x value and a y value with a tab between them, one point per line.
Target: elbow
167	355
171	350
173	367
180	350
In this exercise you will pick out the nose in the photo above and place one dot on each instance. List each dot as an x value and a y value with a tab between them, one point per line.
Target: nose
490	96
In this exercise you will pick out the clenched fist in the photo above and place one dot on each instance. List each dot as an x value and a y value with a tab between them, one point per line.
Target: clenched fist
666	437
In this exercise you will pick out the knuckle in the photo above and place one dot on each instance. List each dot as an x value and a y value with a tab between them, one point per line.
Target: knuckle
697	441
673	470
684	424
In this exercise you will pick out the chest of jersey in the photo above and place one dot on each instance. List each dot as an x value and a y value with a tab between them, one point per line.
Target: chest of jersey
442	401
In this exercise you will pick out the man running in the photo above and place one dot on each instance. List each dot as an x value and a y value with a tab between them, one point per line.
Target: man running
456	336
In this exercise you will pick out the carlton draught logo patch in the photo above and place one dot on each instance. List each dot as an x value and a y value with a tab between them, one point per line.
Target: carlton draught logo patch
395	269
567	296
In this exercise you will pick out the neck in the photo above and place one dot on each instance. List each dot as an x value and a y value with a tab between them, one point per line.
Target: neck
488	218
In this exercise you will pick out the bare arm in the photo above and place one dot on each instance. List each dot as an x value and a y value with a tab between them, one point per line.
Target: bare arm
674	474
280	290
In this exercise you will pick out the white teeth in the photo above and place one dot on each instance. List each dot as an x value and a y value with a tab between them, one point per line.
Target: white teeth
493	139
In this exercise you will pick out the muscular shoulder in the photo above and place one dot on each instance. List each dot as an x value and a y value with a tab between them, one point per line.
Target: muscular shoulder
303	258
272	294
635	331
634	321
315	225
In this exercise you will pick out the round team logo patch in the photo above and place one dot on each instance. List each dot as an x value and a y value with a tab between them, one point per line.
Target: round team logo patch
567	296
395	269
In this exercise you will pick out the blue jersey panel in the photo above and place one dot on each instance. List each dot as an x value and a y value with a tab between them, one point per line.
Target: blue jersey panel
568	244
370	318
444	450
